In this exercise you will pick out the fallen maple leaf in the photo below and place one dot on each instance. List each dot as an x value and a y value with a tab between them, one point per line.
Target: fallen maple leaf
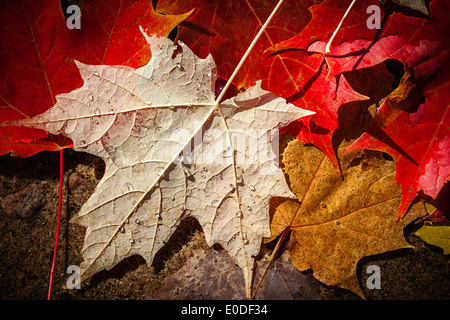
25	142
318	30
295	76
418	142
410	126
312	88
38	49
323	96
142	123
339	219
413	132
226	28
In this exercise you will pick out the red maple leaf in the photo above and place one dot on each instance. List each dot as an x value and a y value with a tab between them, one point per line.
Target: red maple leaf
294	75
37	51
414	132
319	94
419	141
325	18
225	29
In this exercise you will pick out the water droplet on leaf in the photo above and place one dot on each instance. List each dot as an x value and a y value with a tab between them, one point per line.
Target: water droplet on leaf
226	152
244	237
186	172
179	66
159	170
333	95
179	158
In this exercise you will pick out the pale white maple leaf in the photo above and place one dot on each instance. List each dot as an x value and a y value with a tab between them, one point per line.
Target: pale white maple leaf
171	153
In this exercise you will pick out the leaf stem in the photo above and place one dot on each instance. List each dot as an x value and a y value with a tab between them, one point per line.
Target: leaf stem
221	95
272	257
61	171
327	48
249	49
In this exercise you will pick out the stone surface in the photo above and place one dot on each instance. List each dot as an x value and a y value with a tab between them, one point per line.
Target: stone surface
24	203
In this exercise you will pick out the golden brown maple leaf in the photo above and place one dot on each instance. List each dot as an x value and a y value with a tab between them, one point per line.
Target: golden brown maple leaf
337	220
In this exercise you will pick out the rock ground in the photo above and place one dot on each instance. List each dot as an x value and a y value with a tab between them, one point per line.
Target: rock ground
26	248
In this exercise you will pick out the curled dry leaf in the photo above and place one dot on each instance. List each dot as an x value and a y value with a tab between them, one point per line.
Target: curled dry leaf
338	220
212	275
171	152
